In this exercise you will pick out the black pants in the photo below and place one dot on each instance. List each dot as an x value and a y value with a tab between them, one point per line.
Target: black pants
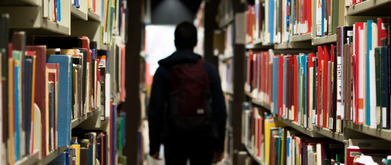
200	151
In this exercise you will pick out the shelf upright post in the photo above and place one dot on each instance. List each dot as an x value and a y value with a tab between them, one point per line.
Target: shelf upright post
210	25
239	71
132	104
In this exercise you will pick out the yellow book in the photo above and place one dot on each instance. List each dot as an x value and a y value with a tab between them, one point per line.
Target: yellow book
270	122
77	154
11	84
32	105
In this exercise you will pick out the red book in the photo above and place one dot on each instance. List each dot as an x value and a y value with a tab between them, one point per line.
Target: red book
295	89
319	103
258	136
254	81
259	72
266	63
40	87
86	45
280	84
382	31
54	77
326	59
355	79
262	76
309	15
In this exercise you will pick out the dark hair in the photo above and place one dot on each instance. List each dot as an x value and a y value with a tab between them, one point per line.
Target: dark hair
185	36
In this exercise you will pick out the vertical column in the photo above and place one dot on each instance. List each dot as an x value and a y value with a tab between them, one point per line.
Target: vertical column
132	80
239	71
210	25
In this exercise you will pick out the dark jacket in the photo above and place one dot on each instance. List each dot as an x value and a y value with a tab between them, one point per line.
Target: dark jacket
158	125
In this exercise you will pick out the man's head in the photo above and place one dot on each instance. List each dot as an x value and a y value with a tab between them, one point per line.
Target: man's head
185	36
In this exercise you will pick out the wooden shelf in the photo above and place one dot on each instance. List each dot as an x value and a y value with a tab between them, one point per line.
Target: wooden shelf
78	14
20	2
30	19
253	156
53	155
329	134
225	22
380	133
293	45
370	8
29	160
299	38
76	122
93	16
104	47
297	127
324	40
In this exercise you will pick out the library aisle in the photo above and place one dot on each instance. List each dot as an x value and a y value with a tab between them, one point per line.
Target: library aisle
306	82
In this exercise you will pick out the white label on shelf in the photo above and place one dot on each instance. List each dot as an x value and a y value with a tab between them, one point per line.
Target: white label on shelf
383	26
331	120
240	28
354	154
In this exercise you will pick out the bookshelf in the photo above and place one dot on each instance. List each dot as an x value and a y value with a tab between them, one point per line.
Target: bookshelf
77	33
370	8
256	159
303	41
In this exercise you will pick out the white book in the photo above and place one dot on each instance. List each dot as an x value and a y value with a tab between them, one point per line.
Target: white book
374	112
319	153
319	18
311	91
361	77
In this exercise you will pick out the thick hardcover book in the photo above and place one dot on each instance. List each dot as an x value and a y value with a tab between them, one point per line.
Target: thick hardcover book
385	108
40	87
65	95
28	84
274	104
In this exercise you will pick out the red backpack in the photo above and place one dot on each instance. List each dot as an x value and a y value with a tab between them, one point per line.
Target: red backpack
190	98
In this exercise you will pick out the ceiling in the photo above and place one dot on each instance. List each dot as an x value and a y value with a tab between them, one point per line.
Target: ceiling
173	11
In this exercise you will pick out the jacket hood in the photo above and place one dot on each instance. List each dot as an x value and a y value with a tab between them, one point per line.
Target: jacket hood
181	56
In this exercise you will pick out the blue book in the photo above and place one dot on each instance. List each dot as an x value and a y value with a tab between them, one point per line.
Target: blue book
305	100
99	148
271	21
299	90
385	87
274	105
62	159
123	114
114	133
58	7
16	114
90	155
76	3
28	79
367	103
65	97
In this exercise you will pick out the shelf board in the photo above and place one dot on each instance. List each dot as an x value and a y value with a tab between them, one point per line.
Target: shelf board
380	133
324	40
294	45
76	122
370	8
299	38
329	134
299	128
225	22
253	156
20	2
93	16
53	155
261	104
104	47
29	160
78	14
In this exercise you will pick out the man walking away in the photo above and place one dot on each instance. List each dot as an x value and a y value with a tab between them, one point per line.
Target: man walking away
187	111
